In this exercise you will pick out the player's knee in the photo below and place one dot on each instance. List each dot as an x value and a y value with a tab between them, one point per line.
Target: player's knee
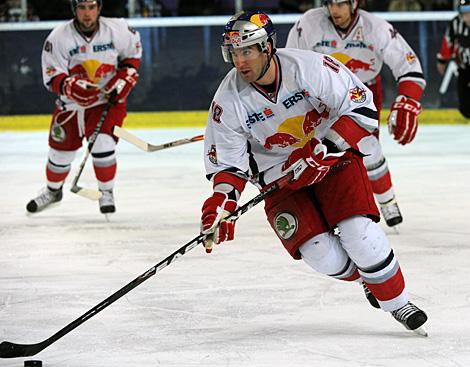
104	143
324	254
364	241
61	157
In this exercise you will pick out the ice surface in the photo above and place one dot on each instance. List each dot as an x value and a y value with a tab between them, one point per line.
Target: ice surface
247	304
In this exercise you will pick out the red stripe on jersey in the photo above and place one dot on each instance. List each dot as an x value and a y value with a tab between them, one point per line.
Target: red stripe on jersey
410	89
389	289
347	128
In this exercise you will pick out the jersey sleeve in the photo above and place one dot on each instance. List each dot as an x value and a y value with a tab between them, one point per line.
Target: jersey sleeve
447	50
294	39
347	98
225	142
128	44
404	64
54	62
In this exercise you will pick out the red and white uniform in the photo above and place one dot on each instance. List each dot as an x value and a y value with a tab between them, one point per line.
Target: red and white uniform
68	52
251	133
95	57
255	132
368	44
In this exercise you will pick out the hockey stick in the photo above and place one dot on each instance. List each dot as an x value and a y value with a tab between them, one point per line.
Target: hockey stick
14	350
147	147
91	193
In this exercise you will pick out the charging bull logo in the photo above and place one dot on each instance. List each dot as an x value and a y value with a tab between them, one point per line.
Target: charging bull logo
296	131
93	70
354	65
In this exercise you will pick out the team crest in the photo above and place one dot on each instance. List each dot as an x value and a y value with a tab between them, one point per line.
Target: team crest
285	225
410	57
357	95
58	133
212	154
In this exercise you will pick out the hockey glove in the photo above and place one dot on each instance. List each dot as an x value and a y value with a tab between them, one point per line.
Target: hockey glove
310	164
214	210
403	119
122	82
80	90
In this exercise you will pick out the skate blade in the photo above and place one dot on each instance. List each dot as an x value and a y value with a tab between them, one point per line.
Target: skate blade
107	216
421	331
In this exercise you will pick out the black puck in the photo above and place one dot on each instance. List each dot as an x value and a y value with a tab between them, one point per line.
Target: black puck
33	363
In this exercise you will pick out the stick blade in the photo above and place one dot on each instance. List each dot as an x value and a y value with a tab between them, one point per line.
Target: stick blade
130	138
86	193
13	350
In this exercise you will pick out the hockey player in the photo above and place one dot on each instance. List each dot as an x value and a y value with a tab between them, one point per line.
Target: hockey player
364	42
280	108
83	61
456	45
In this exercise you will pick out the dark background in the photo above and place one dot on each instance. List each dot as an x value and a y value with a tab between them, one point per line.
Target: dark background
182	67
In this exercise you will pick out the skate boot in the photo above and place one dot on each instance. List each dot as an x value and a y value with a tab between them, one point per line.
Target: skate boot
45	199
412	318
107	202
370	297
391	213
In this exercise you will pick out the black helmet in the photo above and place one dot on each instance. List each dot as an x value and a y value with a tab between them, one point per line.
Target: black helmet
74	3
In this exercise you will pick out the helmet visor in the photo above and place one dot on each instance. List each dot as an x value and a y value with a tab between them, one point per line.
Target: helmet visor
231	54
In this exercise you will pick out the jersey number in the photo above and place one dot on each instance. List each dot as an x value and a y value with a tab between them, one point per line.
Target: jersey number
216	112
330	63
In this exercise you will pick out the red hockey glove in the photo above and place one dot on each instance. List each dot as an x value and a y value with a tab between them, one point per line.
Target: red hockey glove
310	164
123	82
80	90
403	119
214	210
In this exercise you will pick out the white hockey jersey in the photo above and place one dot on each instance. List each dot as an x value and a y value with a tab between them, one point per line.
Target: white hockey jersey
68	51
370	42
253	133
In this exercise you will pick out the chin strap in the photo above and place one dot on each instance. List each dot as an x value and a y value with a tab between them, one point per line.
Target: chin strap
266	68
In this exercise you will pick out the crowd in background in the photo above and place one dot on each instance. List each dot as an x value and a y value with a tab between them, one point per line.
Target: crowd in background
10	10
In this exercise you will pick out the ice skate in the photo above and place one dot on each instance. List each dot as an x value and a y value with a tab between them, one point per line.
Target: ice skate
391	213
46	199
106	202
412	318
370	297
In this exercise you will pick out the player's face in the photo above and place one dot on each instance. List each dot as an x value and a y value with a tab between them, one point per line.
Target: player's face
466	18
341	14
87	15
249	62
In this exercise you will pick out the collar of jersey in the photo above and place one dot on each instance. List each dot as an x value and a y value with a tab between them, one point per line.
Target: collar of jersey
271	97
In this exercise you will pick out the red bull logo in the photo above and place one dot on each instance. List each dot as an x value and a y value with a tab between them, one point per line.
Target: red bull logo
233	38
354	65
93	70
296	131
259	19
